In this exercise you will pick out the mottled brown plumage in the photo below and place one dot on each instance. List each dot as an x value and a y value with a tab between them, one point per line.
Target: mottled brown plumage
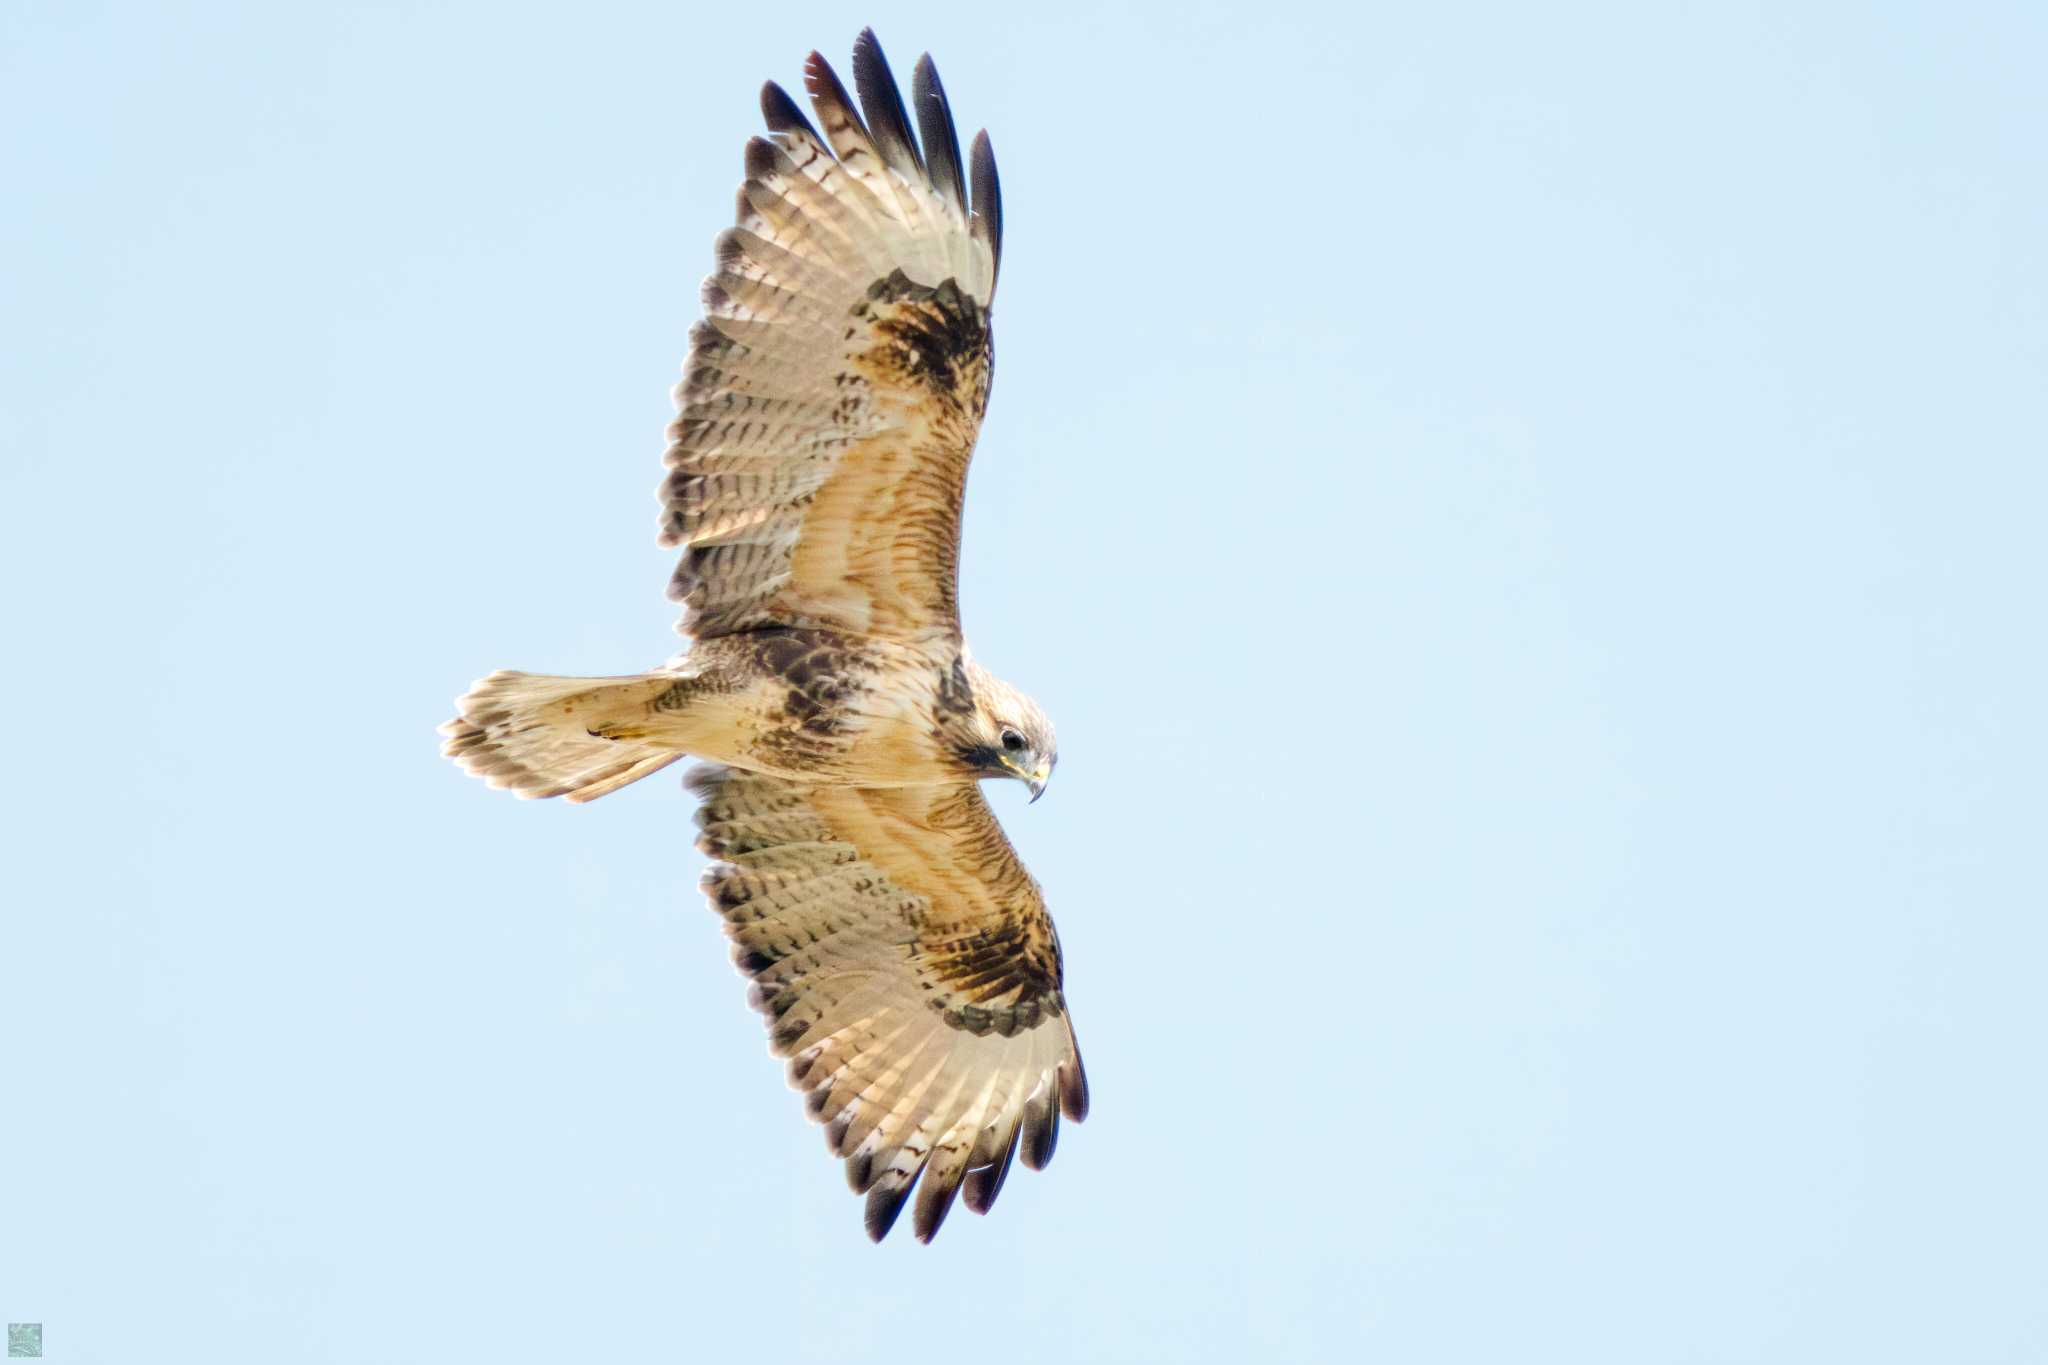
908	971
816	467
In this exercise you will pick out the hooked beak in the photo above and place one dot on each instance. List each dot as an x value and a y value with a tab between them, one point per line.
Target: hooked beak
1034	778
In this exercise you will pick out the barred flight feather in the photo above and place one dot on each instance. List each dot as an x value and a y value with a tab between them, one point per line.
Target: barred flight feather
847	907
843	361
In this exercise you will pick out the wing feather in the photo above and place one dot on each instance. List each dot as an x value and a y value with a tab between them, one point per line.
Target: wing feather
941	140
835	388
882	102
908	972
781	113
985	1181
988	204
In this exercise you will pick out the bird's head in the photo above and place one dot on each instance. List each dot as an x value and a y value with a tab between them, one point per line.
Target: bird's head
1007	735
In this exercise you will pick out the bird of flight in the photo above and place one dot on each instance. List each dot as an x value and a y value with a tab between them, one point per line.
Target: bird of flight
816	469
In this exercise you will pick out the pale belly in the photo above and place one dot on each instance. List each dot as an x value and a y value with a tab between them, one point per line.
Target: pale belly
808	707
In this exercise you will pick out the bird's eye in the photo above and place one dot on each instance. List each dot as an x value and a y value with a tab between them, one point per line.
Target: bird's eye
1012	741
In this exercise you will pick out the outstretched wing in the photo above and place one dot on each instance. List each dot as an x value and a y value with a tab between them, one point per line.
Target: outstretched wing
909	973
834	389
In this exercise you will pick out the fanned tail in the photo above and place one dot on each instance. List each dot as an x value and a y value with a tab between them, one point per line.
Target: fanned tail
541	736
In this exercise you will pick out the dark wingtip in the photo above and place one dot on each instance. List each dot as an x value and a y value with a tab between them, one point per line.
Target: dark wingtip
941	139
988	197
760	157
882	103
884	1205
782	113
860	1168
986	1182
1041	1130
934	1202
1074	1090
825	89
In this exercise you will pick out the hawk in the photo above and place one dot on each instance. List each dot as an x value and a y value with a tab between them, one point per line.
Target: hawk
816	467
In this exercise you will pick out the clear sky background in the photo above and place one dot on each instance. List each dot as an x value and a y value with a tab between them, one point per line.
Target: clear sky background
1528	519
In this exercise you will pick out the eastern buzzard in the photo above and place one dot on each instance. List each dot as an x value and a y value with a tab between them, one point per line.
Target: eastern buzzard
816	465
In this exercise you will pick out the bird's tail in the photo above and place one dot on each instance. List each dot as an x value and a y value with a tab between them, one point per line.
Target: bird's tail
542	736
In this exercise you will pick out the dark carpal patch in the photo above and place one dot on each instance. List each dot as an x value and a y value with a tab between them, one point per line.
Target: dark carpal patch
936	337
994	981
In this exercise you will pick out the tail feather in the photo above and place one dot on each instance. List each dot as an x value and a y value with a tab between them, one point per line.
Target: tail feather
539	736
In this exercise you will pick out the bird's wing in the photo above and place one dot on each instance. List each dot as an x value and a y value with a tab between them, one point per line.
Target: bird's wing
909	974
834	389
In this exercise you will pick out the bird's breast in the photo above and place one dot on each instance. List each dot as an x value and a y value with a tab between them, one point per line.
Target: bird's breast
849	710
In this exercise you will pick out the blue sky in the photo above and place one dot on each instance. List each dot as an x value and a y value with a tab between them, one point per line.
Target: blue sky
1528	520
